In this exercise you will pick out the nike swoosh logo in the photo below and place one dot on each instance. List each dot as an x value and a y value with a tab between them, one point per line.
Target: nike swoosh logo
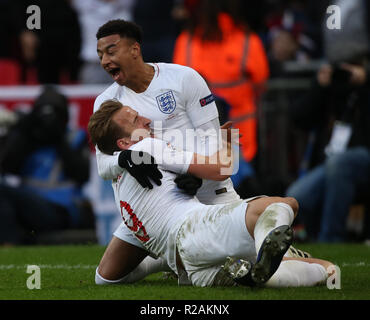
130	165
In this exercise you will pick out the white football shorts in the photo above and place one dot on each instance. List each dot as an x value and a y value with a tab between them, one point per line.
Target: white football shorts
206	239
125	234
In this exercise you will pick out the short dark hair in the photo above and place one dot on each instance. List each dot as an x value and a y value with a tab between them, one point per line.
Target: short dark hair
126	29
103	130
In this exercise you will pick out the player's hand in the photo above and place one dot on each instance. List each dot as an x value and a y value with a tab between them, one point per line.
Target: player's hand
233	136
188	183
227	125
141	165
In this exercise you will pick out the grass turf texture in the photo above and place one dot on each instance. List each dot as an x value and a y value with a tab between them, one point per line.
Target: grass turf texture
67	272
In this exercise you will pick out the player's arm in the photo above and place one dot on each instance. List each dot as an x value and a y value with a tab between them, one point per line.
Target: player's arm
198	100
217	166
140	171
108	167
202	111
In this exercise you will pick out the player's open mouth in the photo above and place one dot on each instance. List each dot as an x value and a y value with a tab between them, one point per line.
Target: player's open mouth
115	73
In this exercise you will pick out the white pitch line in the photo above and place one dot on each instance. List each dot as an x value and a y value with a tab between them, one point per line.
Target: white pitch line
356	264
88	266
48	266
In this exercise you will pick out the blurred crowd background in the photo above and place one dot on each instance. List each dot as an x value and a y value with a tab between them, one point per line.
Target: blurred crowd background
297	89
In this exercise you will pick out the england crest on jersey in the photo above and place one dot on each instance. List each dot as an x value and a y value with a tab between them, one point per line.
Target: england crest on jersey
166	102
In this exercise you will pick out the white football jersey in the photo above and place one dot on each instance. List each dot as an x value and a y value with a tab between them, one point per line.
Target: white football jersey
154	216
176	100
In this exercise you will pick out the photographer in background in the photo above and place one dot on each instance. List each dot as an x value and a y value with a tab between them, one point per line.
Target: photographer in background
337	109
52	164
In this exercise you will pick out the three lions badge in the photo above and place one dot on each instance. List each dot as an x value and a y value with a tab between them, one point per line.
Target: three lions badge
166	102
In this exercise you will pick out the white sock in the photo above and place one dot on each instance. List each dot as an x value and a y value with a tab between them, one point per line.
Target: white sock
148	266
294	273
275	215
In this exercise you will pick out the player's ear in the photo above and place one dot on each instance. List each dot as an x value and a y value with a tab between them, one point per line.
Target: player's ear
123	143
136	50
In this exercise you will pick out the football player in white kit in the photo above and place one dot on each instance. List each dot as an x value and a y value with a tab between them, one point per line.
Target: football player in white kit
192	237
179	98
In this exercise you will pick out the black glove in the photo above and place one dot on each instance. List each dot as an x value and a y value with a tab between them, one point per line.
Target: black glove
188	183
143	171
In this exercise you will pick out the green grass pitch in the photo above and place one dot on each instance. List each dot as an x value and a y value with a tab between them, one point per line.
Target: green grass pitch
67	273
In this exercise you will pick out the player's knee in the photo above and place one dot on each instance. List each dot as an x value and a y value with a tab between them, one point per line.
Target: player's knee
293	203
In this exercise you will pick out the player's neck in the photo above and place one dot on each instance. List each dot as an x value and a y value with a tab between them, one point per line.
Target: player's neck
143	78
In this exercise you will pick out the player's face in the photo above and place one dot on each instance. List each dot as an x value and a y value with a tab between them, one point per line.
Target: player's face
117	56
134	124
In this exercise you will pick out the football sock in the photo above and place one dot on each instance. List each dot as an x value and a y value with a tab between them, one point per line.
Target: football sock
148	266
294	273
275	215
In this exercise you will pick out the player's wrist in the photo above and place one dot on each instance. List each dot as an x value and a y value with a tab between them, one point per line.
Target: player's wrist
123	158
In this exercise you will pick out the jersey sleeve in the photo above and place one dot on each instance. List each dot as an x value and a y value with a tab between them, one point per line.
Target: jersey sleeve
108	167
199	101
166	155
